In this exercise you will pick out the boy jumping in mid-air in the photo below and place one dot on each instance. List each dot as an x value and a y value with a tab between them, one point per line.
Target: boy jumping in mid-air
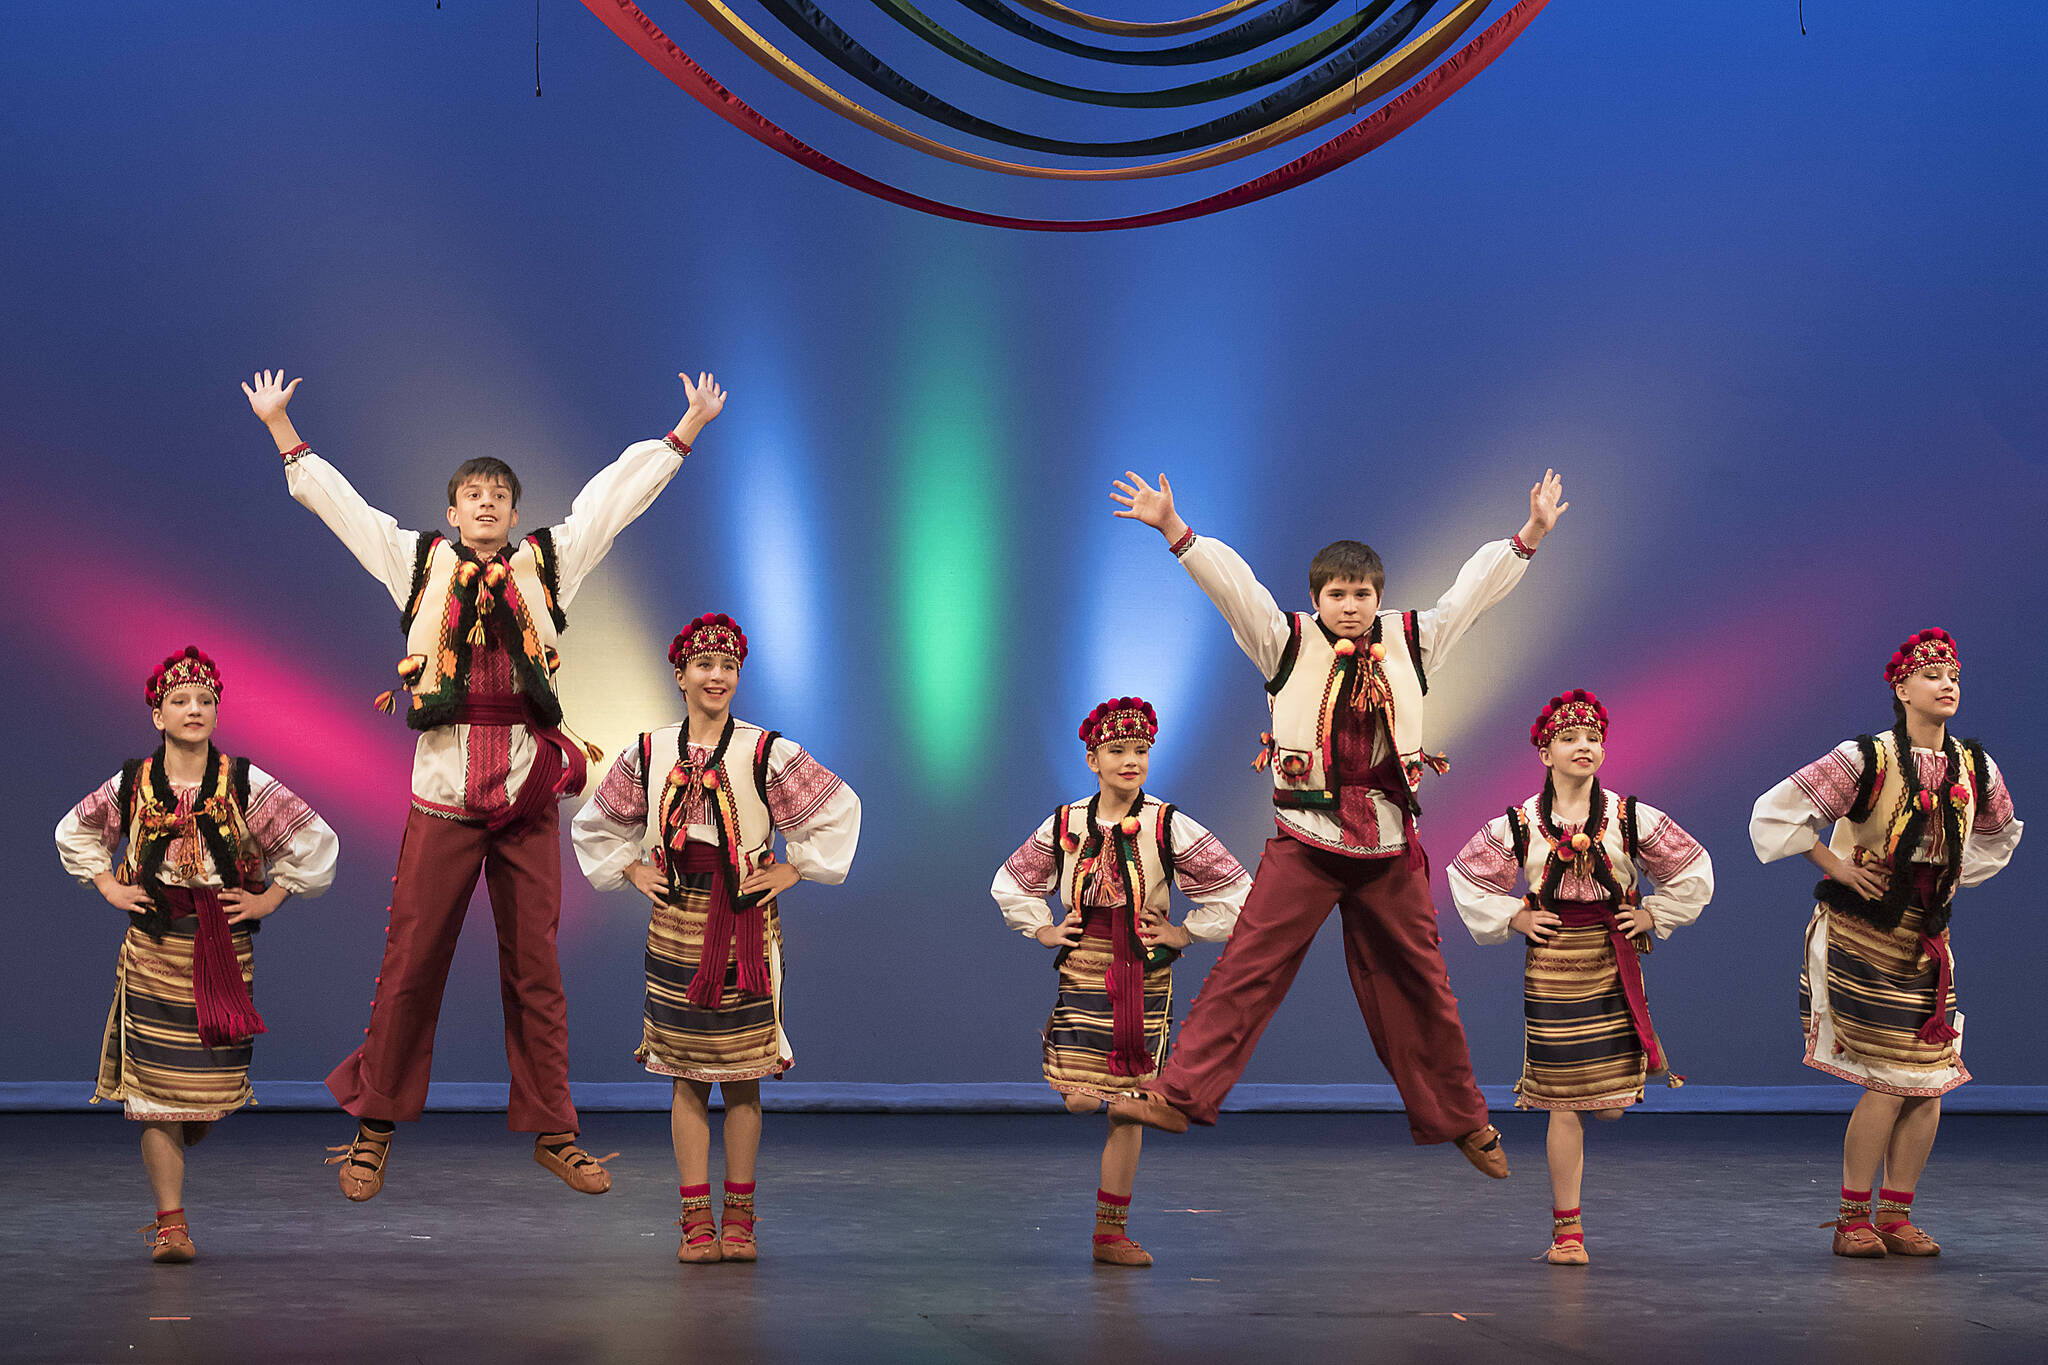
1346	685
481	613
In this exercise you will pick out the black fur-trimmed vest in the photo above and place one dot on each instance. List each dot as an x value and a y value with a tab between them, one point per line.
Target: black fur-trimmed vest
455	604
151	824
1317	674
1890	818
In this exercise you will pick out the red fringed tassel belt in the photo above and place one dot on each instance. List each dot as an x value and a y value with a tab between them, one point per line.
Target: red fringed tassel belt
723	925
1128	1055
226	1014
1936	1030
559	764
1628	963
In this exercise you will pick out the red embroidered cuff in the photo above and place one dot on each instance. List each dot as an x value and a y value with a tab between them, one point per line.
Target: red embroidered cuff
680	447
292	456
1521	550
1180	547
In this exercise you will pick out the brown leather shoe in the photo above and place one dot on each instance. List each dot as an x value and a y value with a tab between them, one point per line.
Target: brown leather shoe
170	1241
1120	1251
1147	1108
1483	1150
1903	1239
1567	1253
1859	1240
362	1163
700	1240
578	1169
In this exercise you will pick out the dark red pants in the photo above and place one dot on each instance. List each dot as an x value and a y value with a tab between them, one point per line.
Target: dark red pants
1397	972
438	863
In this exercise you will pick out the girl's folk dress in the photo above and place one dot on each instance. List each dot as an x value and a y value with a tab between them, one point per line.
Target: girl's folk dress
1589	1043
1108	1032
1877	996
182	1027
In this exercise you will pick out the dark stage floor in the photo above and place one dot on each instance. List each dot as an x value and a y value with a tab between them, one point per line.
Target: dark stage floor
1280	1238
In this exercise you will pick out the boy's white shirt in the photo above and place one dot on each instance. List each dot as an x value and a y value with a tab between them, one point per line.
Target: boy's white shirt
1262	631
609	503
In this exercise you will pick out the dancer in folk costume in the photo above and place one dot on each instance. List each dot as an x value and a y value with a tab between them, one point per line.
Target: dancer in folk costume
215	844
714	791
481	613
1589	1046
1346	686
1917	816
1113	861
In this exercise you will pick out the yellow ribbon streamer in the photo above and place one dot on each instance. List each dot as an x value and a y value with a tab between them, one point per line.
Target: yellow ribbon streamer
1393	71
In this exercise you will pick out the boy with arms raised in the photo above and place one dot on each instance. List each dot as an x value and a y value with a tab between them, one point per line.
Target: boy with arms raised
1346	686
481	614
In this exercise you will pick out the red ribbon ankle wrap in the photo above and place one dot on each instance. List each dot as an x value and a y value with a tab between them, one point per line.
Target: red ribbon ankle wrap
723	926
226	1014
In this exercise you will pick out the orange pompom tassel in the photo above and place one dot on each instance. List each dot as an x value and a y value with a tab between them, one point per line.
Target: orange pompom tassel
385	702
1130	824
1345	648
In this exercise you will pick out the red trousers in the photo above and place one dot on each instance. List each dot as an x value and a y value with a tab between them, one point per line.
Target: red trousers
1397	972
438	863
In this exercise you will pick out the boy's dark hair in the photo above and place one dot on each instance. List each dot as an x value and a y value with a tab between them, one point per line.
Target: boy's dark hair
1345	559
488	468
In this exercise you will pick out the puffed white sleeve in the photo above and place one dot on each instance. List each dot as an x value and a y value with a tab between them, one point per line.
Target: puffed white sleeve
817	814
610	831
373	537
1483	878
1024	880
607	505
1680	869
1487	577
1994	834
1255	619
1208	875
89	832
1793	816
300	848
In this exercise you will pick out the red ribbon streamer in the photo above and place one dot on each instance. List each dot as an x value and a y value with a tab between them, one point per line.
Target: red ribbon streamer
625	18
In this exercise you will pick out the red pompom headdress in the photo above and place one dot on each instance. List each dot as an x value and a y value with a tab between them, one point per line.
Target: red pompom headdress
1925	647
1120	718
1575	708
711	633
190	666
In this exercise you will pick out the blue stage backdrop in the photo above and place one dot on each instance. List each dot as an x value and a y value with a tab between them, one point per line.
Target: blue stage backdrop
1772	304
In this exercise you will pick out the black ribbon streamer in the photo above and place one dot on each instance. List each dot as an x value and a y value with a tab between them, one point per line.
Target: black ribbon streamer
1276	67
816	28
1257	31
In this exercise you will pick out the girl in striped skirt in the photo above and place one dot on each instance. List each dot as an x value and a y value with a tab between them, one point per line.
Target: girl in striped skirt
203	831
1589	1045
710	795
1917	815
1112	860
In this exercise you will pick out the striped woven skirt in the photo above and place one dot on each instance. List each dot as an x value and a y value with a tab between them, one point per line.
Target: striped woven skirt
151	1058
741	1039
1078	1036
1580	1045
1865	992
